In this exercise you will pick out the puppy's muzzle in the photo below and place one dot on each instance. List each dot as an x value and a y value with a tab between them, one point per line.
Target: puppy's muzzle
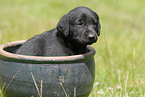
92	37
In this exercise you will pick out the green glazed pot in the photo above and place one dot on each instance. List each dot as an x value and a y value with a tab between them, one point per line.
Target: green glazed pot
32	76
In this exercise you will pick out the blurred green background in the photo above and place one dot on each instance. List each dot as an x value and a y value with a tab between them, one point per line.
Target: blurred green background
120	50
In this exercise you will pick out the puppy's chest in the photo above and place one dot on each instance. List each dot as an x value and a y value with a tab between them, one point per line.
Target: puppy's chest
57	49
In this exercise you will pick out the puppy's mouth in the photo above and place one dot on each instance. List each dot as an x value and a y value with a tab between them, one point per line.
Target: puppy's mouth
89	42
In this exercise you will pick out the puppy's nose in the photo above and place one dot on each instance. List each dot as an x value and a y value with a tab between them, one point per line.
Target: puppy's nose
92	37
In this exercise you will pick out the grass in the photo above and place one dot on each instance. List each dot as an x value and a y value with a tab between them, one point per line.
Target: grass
120	50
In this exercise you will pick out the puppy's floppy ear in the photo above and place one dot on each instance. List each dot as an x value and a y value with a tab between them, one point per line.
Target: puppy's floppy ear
63	25
98	29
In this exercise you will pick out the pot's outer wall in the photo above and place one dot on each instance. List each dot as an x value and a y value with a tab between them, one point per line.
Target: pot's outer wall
71	75
74	75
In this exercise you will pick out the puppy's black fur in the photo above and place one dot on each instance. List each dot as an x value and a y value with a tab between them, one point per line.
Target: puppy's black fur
75	30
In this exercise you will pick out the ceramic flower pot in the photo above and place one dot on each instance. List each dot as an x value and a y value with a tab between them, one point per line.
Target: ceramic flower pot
32	76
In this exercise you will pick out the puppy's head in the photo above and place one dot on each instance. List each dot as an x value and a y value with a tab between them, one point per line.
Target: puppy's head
81	25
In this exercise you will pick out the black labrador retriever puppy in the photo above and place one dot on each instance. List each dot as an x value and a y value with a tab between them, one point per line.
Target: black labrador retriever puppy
75	30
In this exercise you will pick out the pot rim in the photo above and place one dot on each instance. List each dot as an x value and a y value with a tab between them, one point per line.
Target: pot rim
40	59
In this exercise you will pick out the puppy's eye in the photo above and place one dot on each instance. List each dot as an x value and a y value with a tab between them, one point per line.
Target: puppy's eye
80	23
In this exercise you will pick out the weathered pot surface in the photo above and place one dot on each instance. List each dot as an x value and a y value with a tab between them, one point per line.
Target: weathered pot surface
26	76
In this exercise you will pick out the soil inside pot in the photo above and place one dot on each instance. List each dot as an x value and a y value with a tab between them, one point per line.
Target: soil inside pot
12	49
